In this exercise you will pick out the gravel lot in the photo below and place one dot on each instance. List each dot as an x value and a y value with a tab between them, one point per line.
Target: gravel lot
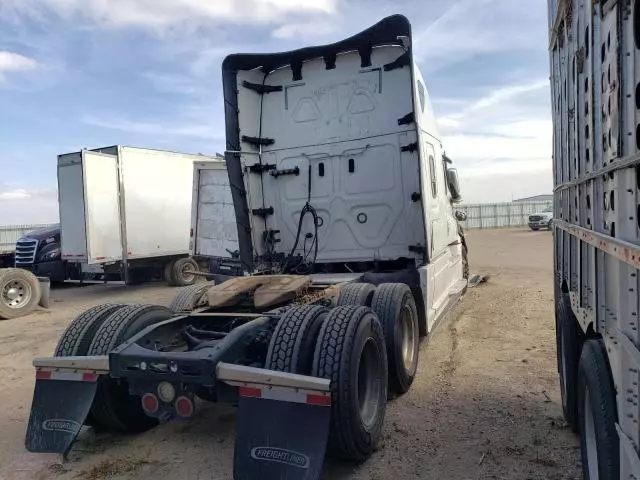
485	404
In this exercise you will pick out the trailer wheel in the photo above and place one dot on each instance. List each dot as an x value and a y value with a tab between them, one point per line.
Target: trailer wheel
358	294
396	308
182	269
19	292
597	413
168	273
569	344
76	339
191	297
292	344
113	406
350	351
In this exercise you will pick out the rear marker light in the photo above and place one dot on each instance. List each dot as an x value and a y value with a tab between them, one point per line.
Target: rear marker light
250	392
321	400
150	403
184	407
43	374
89	377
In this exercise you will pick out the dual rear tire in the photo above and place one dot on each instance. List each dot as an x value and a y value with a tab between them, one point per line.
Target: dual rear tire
365	349
97	331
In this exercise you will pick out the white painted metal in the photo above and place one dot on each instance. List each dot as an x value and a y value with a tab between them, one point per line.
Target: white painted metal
375	199
240	375
595	85
214	232
90	364
125	203
328	121
156	199
102	211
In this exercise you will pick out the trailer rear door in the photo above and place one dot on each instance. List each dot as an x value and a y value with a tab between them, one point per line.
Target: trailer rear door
89	210
214	229
104	242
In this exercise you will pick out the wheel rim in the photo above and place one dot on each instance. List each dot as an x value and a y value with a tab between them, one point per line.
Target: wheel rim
187	276
408	338
590	440
16	293
368	381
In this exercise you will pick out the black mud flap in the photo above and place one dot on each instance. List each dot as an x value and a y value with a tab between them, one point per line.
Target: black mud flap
280	440
58	411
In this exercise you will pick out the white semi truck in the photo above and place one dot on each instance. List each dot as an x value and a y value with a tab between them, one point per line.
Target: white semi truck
595	93
343	202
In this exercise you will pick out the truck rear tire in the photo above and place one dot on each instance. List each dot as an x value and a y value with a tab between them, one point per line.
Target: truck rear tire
181	269
293	341
357	294
113	407
597	413
19	292
396	308
191	297
569	344
77	337
350	351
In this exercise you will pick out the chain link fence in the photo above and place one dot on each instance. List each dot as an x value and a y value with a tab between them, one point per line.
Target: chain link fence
500	215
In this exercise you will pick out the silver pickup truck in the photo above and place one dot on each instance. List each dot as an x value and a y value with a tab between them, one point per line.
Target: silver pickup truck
542	219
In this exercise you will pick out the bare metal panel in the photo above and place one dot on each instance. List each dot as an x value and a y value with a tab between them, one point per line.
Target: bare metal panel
214	220
72	212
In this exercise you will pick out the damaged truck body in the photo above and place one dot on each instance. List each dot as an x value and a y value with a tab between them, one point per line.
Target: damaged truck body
343	200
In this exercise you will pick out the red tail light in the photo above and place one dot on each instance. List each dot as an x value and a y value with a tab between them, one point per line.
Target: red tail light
150	403
184	406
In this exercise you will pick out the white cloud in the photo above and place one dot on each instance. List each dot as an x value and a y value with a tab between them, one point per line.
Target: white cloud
163	14
14	194
169	127
505	186
501	142
305	29
14	62
26	206
471	27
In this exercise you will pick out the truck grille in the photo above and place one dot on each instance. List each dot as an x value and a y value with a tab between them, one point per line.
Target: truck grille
535	218
26	251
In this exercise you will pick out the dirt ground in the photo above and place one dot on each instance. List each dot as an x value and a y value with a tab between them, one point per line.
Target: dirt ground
485	404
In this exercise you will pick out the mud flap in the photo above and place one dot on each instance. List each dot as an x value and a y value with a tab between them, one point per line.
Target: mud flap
278	439
58	411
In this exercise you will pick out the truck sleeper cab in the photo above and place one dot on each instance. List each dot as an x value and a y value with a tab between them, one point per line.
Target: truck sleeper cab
343	203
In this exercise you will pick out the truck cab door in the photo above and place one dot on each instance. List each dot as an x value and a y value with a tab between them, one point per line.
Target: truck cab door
444	269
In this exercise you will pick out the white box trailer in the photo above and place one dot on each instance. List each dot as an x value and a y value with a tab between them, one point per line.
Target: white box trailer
595	87
127	209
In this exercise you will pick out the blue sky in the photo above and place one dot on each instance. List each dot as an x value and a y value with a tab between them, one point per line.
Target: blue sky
90	73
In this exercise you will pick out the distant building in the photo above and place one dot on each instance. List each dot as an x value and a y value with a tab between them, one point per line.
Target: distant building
537	198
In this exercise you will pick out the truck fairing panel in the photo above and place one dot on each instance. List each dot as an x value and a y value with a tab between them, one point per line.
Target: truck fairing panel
334	126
